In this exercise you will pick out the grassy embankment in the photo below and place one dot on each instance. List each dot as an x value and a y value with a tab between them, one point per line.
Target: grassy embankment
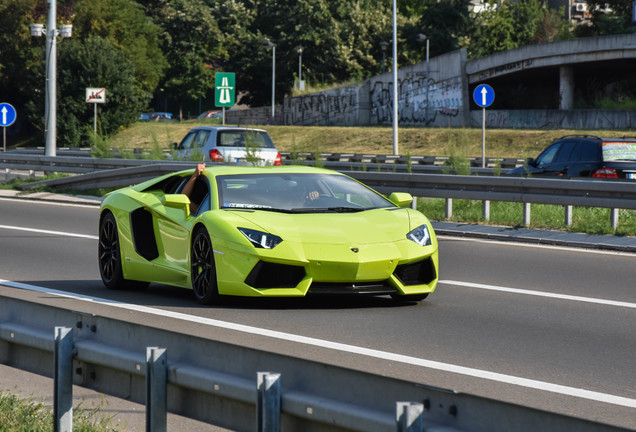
460	143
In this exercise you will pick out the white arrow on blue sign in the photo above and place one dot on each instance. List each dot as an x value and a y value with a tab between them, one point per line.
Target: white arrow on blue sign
484	95
7	114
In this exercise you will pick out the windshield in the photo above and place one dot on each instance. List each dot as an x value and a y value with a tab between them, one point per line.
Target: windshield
298	193
244	138
614	150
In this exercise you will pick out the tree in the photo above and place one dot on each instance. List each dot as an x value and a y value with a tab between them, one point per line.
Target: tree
124	24
193	45
608	17
340	41
505	26
443	22
95	62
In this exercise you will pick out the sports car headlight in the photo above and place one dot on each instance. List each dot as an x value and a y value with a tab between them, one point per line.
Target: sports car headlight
261	239
420	235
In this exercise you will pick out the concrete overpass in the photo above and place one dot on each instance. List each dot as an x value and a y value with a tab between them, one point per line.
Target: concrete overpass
536	86
557	71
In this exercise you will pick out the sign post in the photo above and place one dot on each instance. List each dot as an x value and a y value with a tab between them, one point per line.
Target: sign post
483	96
7	118
224	90
95	96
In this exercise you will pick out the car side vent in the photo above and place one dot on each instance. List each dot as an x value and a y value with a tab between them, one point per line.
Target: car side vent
143	233
416	273
272	275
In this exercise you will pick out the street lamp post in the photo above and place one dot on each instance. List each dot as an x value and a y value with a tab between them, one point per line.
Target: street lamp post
395	81
300	68
384	46
269	44
50	120
421	38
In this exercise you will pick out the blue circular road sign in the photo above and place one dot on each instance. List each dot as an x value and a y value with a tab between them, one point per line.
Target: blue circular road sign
484	95
7	114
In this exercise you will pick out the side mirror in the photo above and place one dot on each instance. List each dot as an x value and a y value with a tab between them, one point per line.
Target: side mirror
401	199
531	162
175	146
178	201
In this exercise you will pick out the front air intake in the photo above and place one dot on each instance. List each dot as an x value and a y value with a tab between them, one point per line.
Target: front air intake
416	273
272	275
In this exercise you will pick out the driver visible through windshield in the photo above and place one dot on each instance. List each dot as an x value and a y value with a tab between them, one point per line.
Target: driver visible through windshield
297	193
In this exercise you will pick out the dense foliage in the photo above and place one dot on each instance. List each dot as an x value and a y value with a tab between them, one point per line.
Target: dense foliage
151	54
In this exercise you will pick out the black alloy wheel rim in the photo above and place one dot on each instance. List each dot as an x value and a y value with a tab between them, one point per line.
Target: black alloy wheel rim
202	268
108	250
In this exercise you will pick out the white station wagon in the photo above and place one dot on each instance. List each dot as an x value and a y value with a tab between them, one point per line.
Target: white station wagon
244	146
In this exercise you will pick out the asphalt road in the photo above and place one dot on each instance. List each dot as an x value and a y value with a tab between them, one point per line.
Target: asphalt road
552	328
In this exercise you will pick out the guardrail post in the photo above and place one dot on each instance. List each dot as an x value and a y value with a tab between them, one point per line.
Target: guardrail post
268	406
156	390
614	217
526	214
63	395
568	215
7	174
486	210
449	208
414	203
409	417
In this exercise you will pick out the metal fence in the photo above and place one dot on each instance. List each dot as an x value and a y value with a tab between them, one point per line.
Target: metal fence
386	174
234	386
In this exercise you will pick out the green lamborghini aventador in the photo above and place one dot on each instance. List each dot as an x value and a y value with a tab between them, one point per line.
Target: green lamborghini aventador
287	231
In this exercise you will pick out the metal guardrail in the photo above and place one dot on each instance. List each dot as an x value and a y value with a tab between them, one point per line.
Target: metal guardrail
386	177
143	363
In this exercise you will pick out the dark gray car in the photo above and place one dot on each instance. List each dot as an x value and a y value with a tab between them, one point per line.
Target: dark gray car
577	156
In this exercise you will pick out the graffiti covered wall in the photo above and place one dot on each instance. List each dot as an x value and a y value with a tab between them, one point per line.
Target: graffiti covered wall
339	107
436	100
421	101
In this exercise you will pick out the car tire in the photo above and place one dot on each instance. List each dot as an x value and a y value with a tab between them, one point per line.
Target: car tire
409	297
203	269
109	256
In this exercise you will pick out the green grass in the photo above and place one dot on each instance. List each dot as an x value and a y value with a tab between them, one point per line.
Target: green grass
25	415
589	220
413	141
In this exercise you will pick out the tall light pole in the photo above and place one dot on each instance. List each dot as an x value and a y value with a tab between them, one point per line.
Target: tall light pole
384	46
299	48
421	38
395	81
50	114
269	44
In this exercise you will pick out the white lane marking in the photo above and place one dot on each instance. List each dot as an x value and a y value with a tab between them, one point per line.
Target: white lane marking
55	203
41	231
515	243
541	294
383	355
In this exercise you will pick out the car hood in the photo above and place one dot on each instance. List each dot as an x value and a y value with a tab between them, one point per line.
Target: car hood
371	226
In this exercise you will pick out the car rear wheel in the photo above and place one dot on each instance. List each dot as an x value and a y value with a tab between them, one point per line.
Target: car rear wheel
203	269
109	255
409	297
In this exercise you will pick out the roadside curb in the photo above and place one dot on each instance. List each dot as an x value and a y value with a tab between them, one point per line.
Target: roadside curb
534	236
52	197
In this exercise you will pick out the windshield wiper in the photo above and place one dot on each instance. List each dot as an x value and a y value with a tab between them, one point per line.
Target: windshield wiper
253	208
328	210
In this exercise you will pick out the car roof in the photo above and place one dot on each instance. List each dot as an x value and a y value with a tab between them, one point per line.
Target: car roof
216	170
597	138
233	128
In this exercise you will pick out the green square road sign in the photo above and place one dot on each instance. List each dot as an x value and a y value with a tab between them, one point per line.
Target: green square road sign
224	89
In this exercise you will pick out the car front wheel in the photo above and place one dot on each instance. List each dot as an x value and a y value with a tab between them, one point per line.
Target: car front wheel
203	270
109	255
